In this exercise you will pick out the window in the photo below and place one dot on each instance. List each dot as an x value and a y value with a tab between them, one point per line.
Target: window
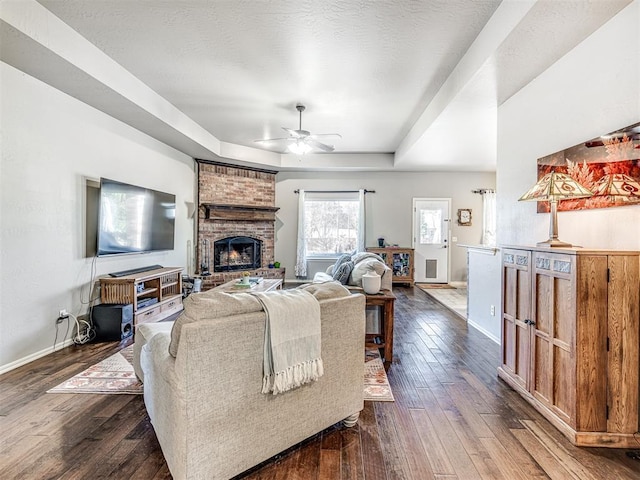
489	217
430	226
331	223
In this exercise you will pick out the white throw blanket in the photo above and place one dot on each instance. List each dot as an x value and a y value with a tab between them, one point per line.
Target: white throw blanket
291	340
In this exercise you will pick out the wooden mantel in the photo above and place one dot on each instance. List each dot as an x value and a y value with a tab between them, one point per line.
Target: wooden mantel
247	213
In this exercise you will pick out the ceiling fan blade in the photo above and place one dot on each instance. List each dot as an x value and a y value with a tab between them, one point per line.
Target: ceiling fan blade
294	133
265	140
325	135
319	145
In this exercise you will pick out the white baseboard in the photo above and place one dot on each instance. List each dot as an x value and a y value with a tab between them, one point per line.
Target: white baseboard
483	331
34	356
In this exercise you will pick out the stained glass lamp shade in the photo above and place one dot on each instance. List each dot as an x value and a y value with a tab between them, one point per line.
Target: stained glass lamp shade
618	186
554	187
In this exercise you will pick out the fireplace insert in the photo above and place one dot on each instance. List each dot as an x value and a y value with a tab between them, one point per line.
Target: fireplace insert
236	253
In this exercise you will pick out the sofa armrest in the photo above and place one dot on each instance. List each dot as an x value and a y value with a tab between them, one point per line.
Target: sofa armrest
144	332
155	357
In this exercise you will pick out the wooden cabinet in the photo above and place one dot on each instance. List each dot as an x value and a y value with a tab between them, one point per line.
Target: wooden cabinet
399	260
155	294
570	339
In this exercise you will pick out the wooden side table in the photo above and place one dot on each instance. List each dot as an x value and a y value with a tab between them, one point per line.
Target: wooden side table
384	299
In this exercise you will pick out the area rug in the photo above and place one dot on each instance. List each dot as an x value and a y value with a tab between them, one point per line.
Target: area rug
376	383
428	286
113	375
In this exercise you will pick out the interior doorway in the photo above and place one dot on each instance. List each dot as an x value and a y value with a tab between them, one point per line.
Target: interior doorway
431	220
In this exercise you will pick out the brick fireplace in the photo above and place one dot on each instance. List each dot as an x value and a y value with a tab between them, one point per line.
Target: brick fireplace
237	253
235	202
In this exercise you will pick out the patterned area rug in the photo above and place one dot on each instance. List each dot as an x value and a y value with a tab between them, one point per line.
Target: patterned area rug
376	383
115	375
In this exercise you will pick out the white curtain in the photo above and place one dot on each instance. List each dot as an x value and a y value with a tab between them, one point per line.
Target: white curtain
361	222
301	249
488	217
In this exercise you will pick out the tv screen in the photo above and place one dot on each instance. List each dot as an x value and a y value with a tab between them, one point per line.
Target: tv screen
134	219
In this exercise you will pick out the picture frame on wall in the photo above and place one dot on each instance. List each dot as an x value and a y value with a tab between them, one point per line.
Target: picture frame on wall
608	166
464	217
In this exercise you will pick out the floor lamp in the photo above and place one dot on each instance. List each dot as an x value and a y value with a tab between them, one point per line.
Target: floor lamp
554	187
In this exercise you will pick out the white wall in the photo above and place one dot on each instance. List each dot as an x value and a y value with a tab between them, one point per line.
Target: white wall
484	291
593	90
389	210
51	143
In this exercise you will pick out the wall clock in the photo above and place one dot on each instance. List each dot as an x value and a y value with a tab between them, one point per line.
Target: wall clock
464	217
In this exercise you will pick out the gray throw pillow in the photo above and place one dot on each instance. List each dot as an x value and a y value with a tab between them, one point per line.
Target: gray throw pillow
345	257
343	272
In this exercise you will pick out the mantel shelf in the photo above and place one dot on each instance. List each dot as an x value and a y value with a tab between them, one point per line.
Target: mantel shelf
249	213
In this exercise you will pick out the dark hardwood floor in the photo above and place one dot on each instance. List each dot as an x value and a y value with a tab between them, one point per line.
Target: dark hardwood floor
452	419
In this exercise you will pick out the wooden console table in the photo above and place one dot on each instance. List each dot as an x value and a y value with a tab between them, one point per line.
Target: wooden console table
162	286
384	299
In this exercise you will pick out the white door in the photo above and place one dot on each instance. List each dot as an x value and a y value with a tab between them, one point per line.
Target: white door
431	219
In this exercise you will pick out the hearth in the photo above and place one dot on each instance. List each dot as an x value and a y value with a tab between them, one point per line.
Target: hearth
236	253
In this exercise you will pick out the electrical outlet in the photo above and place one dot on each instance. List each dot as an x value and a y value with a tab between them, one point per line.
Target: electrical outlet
63	313
493	310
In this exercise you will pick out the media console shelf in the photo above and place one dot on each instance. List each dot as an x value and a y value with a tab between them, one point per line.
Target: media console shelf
154	294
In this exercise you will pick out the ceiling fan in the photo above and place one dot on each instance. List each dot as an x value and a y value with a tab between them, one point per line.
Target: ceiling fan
302	141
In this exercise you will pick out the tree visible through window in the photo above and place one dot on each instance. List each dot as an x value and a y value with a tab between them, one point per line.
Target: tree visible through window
331	226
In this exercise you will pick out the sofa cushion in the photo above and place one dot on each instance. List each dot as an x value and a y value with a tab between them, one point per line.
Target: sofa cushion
366	266
210	305
342	273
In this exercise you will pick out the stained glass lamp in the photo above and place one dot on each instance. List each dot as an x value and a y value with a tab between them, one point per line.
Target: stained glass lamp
618	186
554	187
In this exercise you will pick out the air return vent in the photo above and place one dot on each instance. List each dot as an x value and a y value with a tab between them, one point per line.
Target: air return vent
431	268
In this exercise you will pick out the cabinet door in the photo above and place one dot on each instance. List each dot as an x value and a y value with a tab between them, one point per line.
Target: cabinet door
553	367
516	313
402	265
623	304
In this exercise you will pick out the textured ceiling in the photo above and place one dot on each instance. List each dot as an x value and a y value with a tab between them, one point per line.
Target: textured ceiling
404	77
364	69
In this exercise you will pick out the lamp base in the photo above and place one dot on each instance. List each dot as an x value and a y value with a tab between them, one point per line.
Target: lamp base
554	243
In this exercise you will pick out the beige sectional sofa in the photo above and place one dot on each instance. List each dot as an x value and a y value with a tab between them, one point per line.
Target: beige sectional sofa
206	405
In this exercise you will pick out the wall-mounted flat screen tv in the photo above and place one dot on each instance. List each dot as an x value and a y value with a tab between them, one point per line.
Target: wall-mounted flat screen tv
134	219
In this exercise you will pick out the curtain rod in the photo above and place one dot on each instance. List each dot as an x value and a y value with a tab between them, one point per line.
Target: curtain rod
483	190
334	191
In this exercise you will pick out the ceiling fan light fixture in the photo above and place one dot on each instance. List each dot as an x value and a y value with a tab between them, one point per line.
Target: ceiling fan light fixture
301	142
299	148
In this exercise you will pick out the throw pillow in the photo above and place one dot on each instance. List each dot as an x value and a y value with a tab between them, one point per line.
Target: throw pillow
345	257
343	272
324	291
358	257
210	305
365	266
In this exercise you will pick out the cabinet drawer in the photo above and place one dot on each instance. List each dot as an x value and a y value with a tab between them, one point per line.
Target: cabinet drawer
174	304
148	315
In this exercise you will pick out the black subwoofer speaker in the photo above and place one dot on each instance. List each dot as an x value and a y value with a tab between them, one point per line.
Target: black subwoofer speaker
112	322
